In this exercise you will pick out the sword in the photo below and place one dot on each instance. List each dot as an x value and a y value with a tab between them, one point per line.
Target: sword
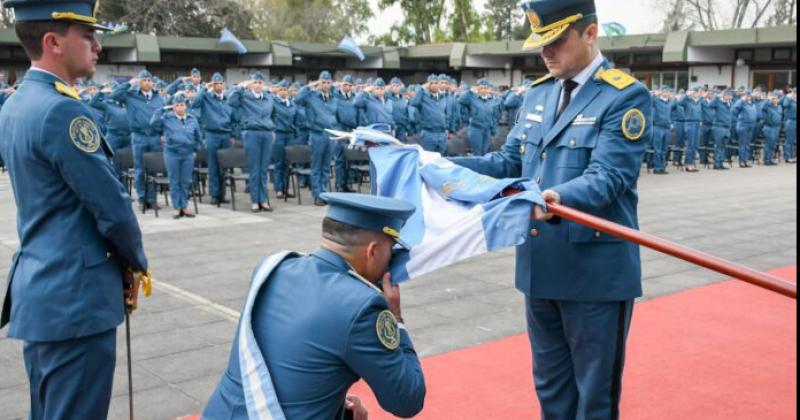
130	363
132	281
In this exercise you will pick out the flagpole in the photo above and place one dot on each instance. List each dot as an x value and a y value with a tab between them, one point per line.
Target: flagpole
685	253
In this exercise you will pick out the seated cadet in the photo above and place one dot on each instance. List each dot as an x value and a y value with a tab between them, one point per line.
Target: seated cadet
182	140
315	324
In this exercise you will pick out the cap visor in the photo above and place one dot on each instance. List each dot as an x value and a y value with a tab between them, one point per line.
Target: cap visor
96	26
402	244
537	40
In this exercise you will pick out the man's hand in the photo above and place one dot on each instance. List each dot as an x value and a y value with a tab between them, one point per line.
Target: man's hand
549	196
392	294
353	403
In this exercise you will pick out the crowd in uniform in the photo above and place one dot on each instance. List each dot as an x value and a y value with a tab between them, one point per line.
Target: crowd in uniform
699	125
715	125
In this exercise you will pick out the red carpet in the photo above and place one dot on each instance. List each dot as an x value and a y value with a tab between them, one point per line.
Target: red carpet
725	351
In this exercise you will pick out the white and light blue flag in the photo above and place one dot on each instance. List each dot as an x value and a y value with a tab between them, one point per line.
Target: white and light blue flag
614	29
350	46
460	213
227	37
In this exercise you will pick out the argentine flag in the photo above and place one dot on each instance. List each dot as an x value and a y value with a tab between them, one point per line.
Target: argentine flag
460	213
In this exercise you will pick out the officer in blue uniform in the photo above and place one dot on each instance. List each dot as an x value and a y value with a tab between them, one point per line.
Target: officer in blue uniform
433	115
482	112
216	120
399	109
745	115
321	104
322	319
375	106
662	123
141	101
348	119
772	116
790	126
582	135
182	140
78	233
115	116
285	114
707	130
678	124
693	117
194	83
723	121
513	102
254	111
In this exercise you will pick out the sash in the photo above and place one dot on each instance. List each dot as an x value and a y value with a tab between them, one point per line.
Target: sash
259	392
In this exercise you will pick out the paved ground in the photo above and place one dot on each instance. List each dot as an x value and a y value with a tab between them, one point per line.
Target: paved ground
181	336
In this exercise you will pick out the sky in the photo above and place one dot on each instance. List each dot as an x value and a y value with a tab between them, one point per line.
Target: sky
637	16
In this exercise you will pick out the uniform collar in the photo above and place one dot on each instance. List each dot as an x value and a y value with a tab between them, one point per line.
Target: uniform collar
332	258
588	72
36	70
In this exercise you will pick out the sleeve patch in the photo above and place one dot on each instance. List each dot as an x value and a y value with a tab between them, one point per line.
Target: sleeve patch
388	330
634	124
84	134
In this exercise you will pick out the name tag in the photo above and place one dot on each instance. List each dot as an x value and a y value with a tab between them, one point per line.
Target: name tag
539	108
581	120
534	117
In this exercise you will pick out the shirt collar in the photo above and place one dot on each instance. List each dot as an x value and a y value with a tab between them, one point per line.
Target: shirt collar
587	73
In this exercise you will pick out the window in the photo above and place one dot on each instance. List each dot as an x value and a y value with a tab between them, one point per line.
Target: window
641	59
746	55
622	59
782	54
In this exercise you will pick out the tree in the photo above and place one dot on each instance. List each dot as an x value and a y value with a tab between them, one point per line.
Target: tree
421	20
6	18
310	21
465	24
712	15
506	20
199	18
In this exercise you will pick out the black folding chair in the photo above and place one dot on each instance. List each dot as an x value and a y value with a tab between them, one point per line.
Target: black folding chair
229	161
200	173
298	161
357	160
156	174
123	160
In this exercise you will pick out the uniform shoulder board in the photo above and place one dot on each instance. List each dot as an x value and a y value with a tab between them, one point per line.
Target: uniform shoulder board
541	80
68	91
615	77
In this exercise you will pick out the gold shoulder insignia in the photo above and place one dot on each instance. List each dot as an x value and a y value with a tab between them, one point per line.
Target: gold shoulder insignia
67	90
388	330
615	77
541	80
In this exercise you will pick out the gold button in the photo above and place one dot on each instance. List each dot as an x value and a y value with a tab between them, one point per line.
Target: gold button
597	235
573	143
534	232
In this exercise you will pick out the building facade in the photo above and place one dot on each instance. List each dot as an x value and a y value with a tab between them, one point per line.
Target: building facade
764	57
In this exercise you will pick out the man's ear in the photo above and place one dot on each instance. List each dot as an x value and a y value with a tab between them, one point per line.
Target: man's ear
591	33
51	42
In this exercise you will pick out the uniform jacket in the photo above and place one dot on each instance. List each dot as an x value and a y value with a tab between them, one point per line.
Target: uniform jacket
790	109
315	324
482	111
285	114
662	113
693	109
114	115
181	138
76	227
745	113
588	159
250	112
772	115
321	111
723	117
432	111
216	116
140	110
375	111
347	111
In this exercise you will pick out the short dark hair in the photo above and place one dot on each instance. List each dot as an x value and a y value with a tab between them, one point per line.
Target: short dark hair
346	235
582	25
30	35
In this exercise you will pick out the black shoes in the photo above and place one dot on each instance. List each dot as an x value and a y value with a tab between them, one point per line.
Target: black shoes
319	203
216	202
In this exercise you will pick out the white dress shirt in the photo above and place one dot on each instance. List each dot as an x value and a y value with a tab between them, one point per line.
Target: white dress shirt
582	77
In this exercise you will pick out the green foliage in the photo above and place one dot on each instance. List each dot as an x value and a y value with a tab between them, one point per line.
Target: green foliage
506	20
421	20
309	20
197	18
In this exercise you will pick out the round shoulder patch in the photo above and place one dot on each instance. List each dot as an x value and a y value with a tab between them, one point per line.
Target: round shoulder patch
388	331
84	134
634	124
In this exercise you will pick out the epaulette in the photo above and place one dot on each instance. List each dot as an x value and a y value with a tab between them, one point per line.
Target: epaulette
365	281
542	80
615	77
67	90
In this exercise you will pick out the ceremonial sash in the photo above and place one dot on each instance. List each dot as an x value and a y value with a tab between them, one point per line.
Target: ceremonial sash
259	392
